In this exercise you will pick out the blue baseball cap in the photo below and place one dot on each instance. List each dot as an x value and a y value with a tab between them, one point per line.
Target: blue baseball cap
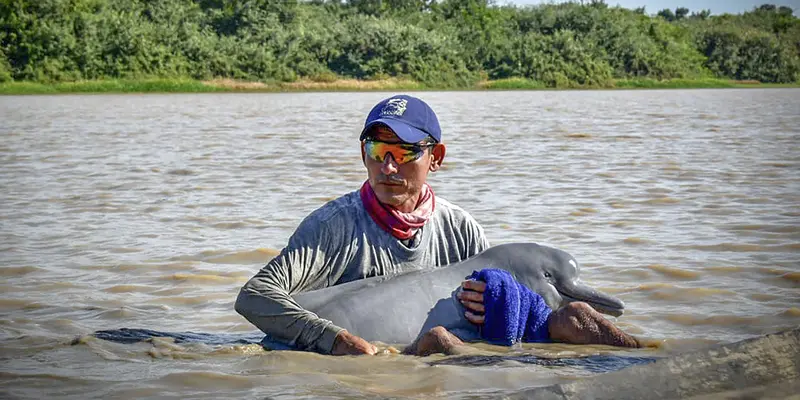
411	119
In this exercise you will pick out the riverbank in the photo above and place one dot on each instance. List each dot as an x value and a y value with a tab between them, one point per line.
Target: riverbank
349	85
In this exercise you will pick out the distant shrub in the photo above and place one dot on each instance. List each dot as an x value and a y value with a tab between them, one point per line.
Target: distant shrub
447	43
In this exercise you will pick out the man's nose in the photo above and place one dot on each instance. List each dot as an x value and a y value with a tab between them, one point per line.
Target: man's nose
389	166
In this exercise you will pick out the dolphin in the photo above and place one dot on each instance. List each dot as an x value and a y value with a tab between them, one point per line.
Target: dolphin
399	308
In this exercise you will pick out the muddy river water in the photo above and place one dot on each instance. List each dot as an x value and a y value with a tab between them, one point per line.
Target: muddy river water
151	211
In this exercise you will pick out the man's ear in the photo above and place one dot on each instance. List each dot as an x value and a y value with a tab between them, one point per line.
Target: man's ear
438	151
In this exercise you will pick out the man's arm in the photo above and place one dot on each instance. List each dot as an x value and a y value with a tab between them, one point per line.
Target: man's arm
307	262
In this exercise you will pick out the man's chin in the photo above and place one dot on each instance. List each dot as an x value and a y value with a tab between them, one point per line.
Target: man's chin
391	199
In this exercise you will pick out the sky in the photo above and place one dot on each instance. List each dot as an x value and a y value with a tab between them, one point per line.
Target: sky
654	6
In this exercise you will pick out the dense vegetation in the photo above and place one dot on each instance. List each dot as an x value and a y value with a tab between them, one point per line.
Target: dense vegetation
441	43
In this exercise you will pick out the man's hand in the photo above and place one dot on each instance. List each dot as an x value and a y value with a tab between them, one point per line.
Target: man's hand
472	299
347	344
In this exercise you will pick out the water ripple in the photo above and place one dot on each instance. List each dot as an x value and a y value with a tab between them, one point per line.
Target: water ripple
683	203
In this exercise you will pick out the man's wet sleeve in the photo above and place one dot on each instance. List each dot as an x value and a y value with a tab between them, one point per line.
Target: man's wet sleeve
265	299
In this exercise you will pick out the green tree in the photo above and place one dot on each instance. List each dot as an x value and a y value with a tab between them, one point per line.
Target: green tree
439	42
702	15
667	14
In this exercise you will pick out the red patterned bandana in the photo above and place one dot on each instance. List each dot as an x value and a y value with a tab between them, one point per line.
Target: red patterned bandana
399	224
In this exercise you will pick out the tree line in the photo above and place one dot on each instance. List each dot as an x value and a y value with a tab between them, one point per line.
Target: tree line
441	43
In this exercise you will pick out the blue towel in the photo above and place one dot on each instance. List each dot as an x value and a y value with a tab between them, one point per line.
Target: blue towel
513	312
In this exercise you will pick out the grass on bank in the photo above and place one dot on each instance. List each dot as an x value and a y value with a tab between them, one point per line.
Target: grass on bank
109	86
638	83
227	85
194	86
512	84
702	83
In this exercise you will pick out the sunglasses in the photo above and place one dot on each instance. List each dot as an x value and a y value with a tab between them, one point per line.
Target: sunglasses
401	152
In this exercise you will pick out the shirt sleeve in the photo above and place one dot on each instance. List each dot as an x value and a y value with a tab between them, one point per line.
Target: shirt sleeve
304	264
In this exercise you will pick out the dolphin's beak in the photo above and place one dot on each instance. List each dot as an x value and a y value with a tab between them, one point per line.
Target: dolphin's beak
605	303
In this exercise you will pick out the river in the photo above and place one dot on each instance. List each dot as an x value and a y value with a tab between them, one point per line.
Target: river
151	211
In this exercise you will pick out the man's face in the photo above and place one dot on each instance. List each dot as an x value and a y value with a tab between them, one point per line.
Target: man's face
395	184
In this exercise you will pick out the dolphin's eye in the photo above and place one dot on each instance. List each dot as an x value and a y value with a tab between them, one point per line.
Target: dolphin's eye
547	275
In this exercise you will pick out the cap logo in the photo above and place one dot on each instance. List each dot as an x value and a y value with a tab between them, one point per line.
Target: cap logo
394	107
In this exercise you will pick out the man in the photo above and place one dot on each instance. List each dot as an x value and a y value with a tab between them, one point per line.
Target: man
394	223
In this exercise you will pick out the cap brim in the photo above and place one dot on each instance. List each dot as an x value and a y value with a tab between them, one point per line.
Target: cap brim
406	133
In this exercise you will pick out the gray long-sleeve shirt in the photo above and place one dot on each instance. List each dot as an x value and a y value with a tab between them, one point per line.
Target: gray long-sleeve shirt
339	243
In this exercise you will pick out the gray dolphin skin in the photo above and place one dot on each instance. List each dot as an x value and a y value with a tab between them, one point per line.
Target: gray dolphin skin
399	308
